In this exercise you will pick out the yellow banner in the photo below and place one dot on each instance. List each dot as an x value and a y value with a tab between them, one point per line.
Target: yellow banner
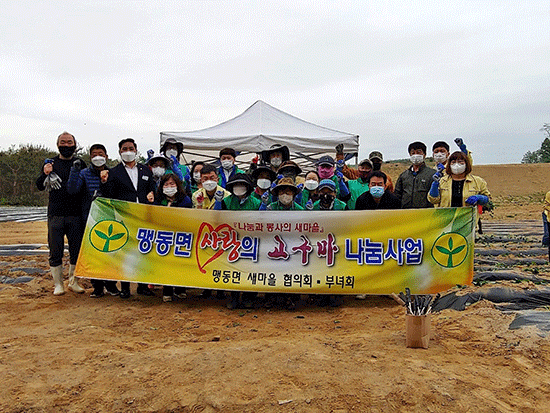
328	252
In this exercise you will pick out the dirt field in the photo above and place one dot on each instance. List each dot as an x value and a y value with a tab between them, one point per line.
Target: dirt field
74	353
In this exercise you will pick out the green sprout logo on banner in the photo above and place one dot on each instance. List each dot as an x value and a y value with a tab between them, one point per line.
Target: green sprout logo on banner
450	250
108	236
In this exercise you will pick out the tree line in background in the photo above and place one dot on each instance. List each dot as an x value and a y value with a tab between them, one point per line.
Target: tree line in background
543	154
19	168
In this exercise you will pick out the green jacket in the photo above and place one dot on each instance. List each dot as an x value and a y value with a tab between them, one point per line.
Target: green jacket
356	188
412	188
338	206
277	206
233	203
222	180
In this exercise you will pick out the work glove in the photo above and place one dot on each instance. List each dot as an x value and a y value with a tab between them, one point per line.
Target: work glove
439	174
52	182
434	189
219	195
150	154
477	199
461	145
78	164
344	190
339	164
176	167
340	149
200	199
309	205
265	198
339	174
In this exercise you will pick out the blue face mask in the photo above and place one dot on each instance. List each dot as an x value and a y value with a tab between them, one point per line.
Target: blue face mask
376	191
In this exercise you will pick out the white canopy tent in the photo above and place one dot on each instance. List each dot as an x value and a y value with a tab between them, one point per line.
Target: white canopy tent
261	126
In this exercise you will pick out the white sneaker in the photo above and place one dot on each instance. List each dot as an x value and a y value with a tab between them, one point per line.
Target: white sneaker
361	297
167	298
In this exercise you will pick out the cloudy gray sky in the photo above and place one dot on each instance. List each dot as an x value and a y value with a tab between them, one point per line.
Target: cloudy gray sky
390	71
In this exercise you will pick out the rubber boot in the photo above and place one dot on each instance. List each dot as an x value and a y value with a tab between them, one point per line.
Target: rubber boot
57	274
73	282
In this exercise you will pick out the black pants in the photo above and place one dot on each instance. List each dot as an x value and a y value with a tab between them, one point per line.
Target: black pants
101	284
125	286
58	228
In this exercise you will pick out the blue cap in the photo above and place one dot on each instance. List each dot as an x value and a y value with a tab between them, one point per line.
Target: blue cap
327	183
326	160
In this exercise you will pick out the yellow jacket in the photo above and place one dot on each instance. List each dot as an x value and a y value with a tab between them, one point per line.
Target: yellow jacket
547	205
206	203
473	185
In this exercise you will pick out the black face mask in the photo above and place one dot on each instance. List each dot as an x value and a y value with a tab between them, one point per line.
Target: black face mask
376	166
66	151
326	200
314	196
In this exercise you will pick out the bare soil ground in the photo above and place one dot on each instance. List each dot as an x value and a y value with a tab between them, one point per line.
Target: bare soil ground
74	353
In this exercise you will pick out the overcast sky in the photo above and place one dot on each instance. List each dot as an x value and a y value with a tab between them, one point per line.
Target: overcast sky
392	72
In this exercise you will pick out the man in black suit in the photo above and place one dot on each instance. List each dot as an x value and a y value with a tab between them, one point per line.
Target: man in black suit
133	182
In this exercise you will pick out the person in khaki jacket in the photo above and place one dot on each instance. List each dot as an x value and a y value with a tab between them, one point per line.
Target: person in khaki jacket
458	187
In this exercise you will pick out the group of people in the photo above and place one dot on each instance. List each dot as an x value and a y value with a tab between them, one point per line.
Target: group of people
272	183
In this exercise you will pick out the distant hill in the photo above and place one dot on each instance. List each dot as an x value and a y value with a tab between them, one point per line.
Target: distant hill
502	180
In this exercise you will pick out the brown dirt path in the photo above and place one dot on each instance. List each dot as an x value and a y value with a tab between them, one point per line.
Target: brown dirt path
74	353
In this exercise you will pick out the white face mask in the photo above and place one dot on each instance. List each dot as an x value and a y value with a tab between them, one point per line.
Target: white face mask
98	161
458	168
158	171
171	152
169	190
263	183
128	156
286	199
440	157
311	184
227	164
239	190
417	159
209	185
197	176
276	162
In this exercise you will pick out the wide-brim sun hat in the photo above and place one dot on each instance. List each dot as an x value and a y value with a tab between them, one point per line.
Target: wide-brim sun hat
276	148
240	178
263	168
285	183
157	157
290	164
179	145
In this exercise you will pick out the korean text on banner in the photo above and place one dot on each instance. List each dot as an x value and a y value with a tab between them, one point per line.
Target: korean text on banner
332	252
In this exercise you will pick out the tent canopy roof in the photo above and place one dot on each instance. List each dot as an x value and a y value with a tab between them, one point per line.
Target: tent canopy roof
261	126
